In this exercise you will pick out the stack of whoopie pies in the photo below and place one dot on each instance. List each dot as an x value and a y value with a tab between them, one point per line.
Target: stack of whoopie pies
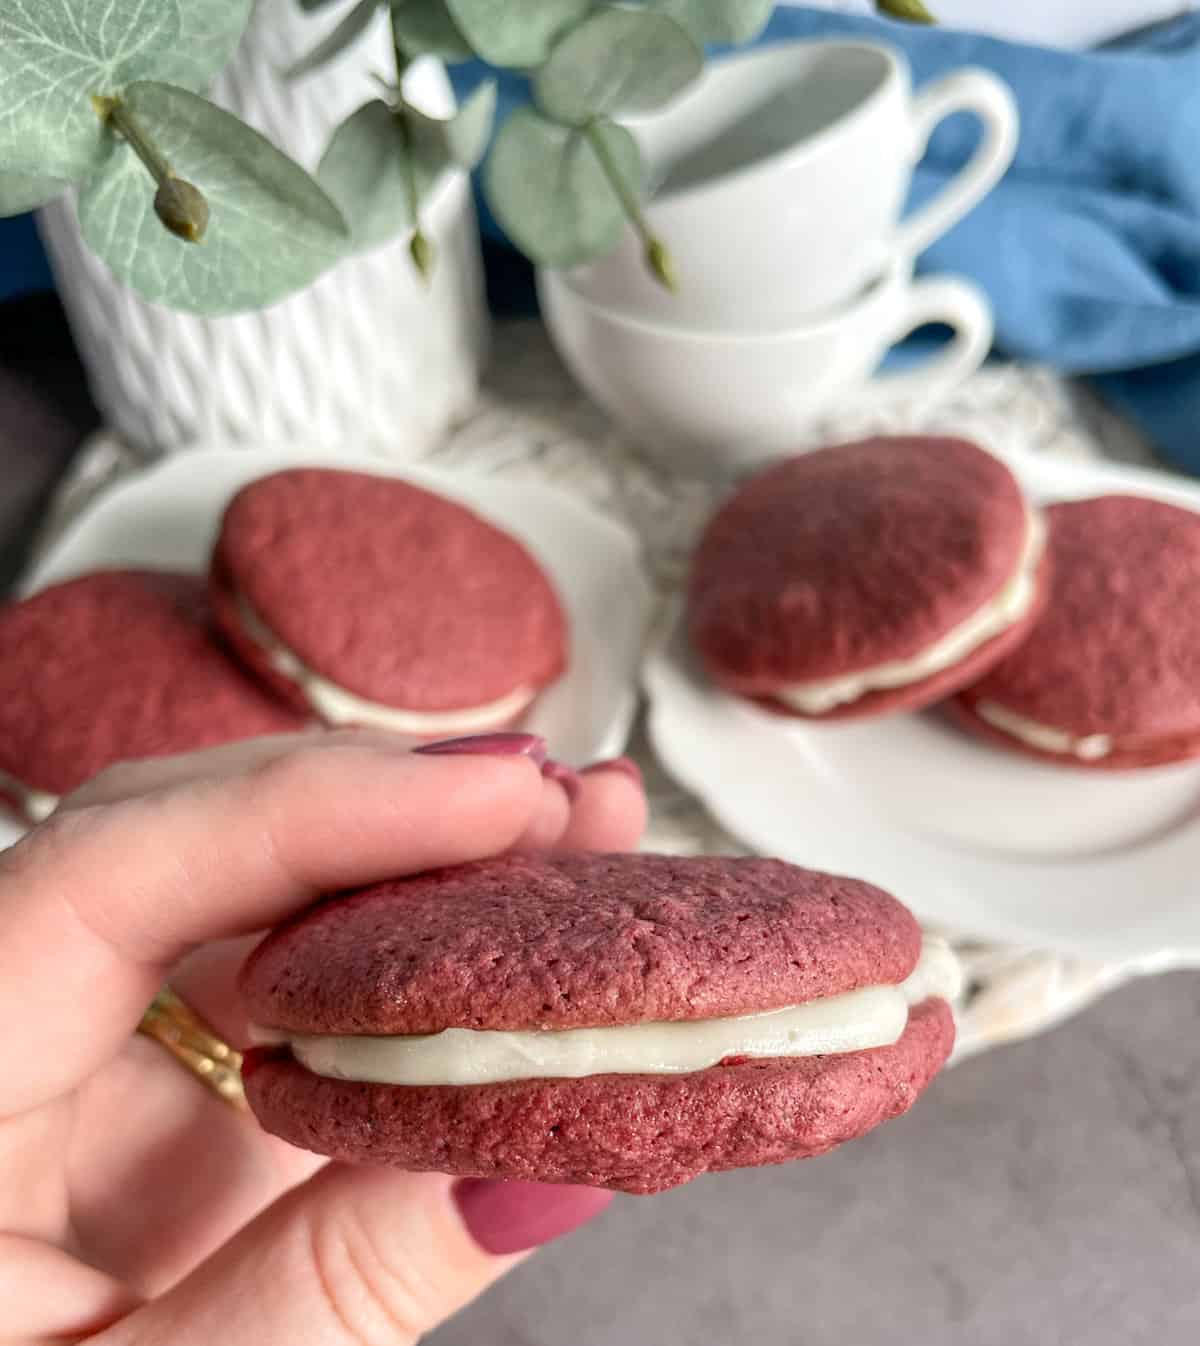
898	573
335	598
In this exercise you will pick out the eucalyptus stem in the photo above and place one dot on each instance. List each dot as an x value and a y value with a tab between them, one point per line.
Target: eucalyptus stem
178	204
658	258
121	119
420	248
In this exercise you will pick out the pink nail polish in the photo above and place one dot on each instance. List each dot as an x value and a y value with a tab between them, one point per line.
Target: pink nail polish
489	745
625	765
509	1217
568	779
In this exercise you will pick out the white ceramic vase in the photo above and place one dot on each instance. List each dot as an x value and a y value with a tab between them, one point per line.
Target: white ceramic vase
369	358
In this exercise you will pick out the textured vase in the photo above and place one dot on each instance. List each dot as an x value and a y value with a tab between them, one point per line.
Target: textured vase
368	357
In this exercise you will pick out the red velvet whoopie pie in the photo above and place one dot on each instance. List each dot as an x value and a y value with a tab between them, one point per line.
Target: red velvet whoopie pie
620	1021
368	600
866	578
111	667
1109	678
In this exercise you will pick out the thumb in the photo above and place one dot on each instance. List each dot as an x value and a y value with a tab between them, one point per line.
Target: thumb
359	1257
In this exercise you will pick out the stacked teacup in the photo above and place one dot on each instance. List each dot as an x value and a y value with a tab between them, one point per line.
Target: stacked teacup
778	183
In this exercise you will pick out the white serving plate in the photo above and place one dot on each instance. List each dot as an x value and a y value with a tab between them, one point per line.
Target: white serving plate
168	517
979	842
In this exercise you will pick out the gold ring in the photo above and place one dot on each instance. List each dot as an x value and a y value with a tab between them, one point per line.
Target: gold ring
193	1044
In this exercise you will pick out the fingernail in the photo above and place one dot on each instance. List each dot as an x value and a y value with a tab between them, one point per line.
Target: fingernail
625	765
568	779
509	1217
489	745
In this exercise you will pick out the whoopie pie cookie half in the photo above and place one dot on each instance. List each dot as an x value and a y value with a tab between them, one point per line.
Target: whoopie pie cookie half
867	578
1109	678
621	1021
111	667
368	600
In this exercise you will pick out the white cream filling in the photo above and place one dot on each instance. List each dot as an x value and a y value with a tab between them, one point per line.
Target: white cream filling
1087	747
874	1016
37	804
335	705
997	615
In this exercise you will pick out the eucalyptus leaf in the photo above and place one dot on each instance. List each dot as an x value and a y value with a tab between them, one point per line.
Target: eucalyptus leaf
617	61
365	170
345	34
20	192
550	193
211	31
426	28
912	11
724	21
460	140
54	55
516	33
272	231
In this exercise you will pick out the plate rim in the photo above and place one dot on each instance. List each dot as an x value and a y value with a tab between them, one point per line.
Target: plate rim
131	483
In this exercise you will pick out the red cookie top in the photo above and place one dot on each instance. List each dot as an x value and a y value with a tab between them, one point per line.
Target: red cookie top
393	593
116	666
1117	649
852	556
576	941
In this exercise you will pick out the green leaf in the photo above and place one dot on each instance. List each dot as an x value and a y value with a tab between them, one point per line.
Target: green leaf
515	32
345	34
308	6
54	55
273	229
725	21
426	28
366	167
913	11
618	61
550	193
365	170
20	192
460	140
211	31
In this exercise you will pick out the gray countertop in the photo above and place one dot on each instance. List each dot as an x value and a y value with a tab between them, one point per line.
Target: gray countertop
45	412
1045	1194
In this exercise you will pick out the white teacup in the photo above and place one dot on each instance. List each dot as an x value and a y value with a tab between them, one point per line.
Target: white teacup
721	401
778	181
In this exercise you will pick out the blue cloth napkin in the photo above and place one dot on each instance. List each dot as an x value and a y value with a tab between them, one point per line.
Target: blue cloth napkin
1090	247
23	265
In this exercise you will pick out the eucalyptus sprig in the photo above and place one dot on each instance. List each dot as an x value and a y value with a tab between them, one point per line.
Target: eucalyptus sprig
102	95
196	211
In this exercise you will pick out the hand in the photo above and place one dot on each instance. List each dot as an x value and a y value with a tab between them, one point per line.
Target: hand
137	1206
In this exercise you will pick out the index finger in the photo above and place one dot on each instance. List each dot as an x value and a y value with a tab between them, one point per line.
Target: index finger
97	904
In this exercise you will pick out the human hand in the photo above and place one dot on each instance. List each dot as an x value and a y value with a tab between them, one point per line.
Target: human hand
136	1205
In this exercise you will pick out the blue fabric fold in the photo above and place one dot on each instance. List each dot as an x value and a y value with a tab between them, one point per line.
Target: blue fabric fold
1090	247
23	265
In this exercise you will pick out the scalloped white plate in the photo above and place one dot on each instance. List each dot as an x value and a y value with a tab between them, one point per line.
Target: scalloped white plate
168	517
977	841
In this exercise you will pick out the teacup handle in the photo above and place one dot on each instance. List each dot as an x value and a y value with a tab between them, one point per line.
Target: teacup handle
992	101
936	299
